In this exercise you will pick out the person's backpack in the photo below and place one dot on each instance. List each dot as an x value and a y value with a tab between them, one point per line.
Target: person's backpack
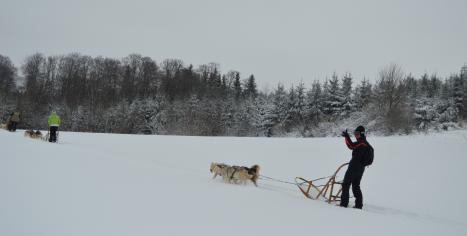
369	156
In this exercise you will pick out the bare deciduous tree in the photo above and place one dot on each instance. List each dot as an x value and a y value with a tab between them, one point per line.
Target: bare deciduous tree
390	96
7	77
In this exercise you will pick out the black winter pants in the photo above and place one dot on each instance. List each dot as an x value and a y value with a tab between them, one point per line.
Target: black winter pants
353	176
12	126
53	134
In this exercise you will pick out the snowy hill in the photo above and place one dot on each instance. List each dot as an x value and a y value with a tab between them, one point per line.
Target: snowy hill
102	184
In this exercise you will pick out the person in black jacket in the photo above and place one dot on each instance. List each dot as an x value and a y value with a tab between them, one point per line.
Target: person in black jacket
355	170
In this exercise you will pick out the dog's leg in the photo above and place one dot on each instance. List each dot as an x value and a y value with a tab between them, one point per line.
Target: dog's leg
254	180
226	178
232	179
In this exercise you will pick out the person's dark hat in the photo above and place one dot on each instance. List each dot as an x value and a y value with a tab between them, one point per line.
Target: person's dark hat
360	129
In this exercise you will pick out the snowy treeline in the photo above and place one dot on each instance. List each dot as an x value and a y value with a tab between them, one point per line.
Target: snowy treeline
138	95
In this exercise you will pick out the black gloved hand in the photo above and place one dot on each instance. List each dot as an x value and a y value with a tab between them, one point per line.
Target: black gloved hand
345	134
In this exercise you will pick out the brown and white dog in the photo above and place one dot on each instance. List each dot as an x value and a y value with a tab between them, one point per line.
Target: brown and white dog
218	169
33	134
3	126
236	174
241	174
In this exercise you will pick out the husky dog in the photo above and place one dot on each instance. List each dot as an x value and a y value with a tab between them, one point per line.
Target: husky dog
3	126
254	174
33	134
240	174
244	173
28	133
218	169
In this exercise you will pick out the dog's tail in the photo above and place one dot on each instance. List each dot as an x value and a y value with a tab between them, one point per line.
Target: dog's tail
254	171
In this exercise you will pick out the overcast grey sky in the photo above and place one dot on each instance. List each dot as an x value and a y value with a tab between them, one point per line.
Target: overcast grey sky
277	41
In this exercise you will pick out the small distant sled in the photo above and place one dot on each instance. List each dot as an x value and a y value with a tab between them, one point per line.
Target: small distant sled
330	191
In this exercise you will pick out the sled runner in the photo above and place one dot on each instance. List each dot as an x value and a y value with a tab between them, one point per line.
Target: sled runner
330	191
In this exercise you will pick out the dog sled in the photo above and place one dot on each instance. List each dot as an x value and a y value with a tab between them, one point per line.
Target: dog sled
330	191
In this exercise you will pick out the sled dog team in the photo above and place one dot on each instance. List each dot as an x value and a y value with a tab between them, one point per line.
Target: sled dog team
235	174
33	134
53	123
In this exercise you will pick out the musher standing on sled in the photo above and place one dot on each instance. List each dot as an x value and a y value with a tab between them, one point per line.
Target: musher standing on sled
357	164
54	123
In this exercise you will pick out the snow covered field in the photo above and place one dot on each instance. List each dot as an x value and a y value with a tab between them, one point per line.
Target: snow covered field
102	184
